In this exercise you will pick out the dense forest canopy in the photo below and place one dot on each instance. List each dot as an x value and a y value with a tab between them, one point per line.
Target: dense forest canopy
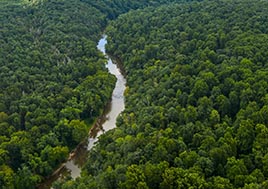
53	84
196	104
53	81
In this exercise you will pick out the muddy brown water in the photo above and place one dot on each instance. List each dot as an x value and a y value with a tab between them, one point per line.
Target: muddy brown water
106	122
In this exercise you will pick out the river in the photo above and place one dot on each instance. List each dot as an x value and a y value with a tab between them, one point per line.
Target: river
106	122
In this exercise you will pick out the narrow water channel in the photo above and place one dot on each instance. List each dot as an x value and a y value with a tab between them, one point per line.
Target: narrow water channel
107	122
117	104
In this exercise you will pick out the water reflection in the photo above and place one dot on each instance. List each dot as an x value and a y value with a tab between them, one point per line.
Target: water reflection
105	123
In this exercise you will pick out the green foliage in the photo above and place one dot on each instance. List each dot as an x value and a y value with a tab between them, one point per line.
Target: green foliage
196	102
52	78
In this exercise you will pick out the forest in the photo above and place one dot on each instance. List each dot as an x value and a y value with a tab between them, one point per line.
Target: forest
196	101
196	104
54	83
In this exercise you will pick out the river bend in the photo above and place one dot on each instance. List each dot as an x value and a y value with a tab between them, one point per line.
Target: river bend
106	122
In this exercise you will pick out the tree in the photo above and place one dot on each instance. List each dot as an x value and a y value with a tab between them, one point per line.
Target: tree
220	183
54	155
79	130
245	136
134	177
260	142
170	177
6	177
235	169
25	179
204	108
200	89
214	117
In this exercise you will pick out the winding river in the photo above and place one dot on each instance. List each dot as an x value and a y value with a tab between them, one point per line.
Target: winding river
107	122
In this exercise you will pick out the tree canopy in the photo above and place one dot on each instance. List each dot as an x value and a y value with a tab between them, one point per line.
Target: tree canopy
53	81
49	65
196	103
196	100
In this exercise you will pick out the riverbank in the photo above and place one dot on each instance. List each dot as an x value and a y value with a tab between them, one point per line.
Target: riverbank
107	121
81	147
